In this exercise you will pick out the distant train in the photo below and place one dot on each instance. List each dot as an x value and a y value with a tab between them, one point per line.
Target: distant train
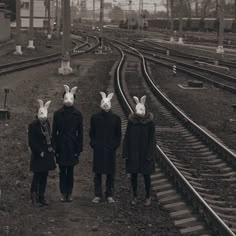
194	24
133	24
189	24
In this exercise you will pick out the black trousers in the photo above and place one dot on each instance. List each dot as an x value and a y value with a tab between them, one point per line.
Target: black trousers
109	185
66	180
39	183
134	183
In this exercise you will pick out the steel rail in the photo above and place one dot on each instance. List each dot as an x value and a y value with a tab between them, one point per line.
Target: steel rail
25	64
222	229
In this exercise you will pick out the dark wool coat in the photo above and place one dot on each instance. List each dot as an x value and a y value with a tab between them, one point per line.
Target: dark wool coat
67	135
37	143
105	137
139	147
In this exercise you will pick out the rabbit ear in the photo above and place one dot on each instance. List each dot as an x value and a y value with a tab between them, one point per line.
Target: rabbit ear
67	88
143	99
136	99
110	95
40	103
47	104
73	90
103	95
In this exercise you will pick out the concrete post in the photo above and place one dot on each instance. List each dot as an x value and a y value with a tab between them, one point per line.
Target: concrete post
18	28
65	68
220	10
31	26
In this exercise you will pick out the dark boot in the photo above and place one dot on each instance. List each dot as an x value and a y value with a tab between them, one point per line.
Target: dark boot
43	202
69	197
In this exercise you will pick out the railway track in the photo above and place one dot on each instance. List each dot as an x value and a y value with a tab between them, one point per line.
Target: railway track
177	53
28	63
195	174
218	79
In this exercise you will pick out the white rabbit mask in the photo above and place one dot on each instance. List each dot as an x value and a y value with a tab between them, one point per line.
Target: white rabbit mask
69	96
140	109
106	101
43	110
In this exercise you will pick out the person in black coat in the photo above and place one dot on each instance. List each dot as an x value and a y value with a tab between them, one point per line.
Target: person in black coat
139	148
105	137
42	156
67	135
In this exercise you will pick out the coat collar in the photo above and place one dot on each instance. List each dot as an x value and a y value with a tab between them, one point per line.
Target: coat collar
70	109
135	119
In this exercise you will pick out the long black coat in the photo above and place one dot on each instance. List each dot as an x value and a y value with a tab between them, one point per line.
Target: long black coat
67	135
37	143
105	137
139	147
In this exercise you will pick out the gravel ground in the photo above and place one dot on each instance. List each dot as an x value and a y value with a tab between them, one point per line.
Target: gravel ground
81	217
42	47
209	107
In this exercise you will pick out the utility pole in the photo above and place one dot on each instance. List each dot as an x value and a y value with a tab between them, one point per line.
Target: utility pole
172	21
93	15
65	68
18	28
181	23
57	20
31	26
61	18
220	11
49	19
140	21
101	22
129	15
234	23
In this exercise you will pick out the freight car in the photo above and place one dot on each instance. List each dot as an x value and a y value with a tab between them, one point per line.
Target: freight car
193	24
133	24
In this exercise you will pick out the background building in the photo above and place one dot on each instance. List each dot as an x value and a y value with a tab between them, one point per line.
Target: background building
40	13
5	30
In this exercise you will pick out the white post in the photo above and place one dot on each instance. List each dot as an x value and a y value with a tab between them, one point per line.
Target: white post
18	27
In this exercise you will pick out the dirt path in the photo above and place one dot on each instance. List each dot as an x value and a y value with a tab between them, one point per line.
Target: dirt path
80	217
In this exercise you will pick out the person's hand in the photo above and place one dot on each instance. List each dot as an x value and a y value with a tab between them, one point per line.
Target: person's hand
50	149
42	154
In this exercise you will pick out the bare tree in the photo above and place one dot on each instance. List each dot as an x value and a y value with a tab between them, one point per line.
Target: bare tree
204	6
189	7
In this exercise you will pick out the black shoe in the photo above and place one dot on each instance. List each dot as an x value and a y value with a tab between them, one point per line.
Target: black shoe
43	202
69	198
63	198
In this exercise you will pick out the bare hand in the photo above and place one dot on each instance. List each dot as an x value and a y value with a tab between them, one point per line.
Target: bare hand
50	149
42	154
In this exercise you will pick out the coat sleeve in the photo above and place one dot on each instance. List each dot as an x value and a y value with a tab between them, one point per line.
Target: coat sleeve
54	131
80	135
117	133
152	142
92	132
125	151
32	140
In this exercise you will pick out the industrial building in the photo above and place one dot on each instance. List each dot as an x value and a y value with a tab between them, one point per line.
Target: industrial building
4	24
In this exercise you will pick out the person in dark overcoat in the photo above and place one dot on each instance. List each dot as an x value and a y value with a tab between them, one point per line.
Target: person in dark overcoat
139	148
105	137
42	155
67	134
